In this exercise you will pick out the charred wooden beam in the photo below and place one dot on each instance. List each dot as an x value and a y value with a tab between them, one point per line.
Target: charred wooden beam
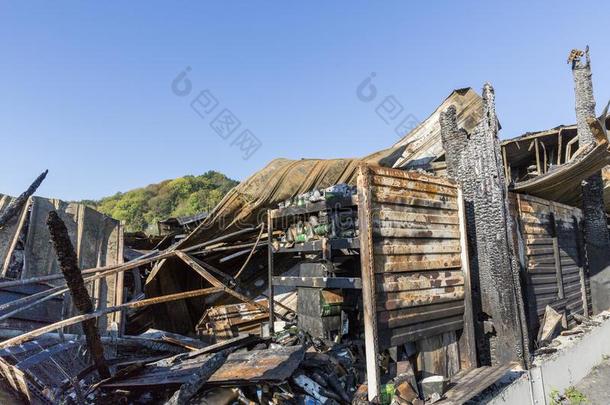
80	318
16	205
597	239
80	296
105	270
369	299
475	162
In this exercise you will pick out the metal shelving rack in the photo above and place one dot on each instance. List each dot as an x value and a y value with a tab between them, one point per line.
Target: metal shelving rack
325	246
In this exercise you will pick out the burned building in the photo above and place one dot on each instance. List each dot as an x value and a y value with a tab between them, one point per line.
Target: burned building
425	271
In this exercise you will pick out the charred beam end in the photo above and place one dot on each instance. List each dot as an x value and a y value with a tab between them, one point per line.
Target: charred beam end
596	233
69	267
18	202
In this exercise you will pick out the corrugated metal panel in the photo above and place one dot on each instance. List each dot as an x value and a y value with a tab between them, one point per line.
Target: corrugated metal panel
553	256
418	278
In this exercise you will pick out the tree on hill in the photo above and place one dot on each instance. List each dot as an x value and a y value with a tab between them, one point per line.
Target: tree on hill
141	208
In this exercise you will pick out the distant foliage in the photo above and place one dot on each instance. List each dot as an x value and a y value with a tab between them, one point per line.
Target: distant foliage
141	208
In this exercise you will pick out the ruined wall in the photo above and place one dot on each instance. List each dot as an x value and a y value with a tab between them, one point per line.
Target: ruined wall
552	258
97	239
474	161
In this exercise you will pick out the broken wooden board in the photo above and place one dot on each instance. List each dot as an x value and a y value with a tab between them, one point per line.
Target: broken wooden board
466	385
271	365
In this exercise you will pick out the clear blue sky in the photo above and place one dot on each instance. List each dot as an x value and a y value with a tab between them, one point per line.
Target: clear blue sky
85	87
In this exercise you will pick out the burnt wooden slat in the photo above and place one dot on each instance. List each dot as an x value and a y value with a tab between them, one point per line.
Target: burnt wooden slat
418	280
413	185
382	197
414	315
404	263
401	335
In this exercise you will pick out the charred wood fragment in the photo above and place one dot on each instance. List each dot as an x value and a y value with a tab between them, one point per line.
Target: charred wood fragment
80	297
199	378
18	202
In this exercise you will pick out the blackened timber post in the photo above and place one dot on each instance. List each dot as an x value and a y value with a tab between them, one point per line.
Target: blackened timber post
80	297
475	162
597	239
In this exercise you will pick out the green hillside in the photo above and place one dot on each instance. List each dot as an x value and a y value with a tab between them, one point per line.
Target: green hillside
141	208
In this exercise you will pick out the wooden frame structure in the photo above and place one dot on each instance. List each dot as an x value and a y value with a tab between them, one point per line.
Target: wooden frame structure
415	268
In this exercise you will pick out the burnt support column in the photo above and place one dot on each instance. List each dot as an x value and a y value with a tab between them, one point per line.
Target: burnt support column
18	202
474	161
597	240
74	279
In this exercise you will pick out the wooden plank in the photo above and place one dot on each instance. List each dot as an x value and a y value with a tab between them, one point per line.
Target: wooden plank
406	299
414	185
416	263
402	193
414	225
538	251
538	240
412	209
318	282
463	392
410	333
396	215
583	290
16	236
538	167
402	247
542	278
413	315
535	230
467	340
547	259
539	289
556	259
412	175
380	196
392	282
438	354
369	299
415	233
